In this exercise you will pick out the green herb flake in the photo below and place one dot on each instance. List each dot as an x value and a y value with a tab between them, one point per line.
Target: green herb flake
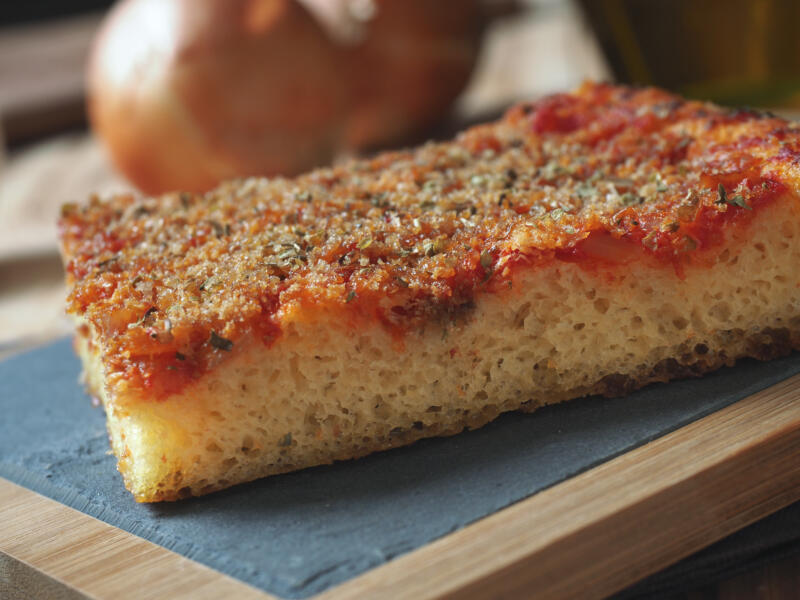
219	342
738	200
220	229
671	226
350	296
486	260
629	199
145	320
585	190
285	440
104	264
365	243
432	247
722	195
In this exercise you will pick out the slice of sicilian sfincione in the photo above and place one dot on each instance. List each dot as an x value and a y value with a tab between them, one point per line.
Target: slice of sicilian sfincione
587	243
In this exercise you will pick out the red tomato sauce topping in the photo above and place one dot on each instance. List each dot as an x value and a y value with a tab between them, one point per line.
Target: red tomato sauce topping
174	285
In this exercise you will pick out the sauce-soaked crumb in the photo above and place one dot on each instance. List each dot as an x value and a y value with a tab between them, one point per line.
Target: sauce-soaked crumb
171	285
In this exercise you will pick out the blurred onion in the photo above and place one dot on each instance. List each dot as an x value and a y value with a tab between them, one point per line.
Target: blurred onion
408	60
186	93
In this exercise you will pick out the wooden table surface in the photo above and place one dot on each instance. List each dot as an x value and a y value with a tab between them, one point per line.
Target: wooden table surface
545	49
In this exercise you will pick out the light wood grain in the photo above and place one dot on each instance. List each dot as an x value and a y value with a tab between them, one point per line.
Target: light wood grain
610	527
588	537
98	560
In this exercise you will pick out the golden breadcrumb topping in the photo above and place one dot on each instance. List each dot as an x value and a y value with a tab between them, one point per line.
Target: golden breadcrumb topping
171	285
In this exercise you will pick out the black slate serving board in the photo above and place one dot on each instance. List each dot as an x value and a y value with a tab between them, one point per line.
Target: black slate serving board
298	534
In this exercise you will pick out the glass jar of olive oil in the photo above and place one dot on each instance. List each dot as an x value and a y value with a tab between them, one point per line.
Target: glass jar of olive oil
735	52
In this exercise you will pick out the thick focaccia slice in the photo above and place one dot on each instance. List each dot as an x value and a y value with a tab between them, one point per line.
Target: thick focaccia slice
587	243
